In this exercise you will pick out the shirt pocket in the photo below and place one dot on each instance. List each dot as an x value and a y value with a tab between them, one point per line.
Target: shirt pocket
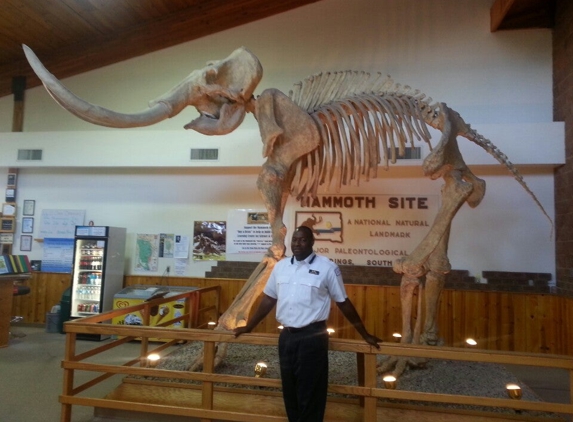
282	285
310	290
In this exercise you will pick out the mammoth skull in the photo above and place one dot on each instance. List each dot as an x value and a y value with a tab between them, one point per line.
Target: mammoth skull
220	92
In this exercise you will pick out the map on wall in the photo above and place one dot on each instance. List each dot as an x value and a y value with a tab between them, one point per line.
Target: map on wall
146	252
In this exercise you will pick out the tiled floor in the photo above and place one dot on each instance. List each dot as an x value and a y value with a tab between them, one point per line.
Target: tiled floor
31	378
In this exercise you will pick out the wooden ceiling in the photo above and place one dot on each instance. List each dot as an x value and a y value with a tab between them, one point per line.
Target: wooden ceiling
75	36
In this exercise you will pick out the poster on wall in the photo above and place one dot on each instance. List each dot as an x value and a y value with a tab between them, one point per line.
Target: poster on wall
369	230
58	255
146	252
248	231
209	240
166	245
181	254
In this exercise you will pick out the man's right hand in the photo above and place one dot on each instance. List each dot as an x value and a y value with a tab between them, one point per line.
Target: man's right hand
241	330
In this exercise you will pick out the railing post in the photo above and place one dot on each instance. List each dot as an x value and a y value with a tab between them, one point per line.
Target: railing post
208	367
370	403
194	311
146	314
360	373
68	385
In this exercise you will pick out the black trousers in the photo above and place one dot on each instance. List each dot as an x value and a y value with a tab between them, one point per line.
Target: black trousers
303	355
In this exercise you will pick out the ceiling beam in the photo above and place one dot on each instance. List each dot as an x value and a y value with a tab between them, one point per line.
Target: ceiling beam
498	12
522	14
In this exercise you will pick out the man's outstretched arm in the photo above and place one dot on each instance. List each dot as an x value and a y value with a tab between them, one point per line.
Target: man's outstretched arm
266	305
349	311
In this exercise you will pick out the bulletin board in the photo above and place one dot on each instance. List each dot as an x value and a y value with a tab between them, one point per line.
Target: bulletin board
60	224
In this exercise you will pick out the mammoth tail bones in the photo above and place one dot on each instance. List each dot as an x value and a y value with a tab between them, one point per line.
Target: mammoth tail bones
332	129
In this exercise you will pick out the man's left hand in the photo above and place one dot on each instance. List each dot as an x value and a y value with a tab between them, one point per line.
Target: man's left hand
373	340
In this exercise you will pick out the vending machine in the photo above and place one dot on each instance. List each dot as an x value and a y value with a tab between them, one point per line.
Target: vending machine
97	271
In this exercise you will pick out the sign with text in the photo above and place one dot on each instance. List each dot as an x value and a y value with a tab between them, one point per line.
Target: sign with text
248	231
367	229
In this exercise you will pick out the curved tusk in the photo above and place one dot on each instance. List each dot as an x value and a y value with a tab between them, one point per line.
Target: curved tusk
90	112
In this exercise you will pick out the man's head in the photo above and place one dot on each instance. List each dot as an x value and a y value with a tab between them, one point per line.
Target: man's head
301	242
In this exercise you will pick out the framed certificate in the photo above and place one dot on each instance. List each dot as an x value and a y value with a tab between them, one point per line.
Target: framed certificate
8	210
7	238
6	224
11	180
27	225
29	207
25	242
10	195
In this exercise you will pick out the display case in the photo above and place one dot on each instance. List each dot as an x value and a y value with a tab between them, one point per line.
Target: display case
135	295
98	268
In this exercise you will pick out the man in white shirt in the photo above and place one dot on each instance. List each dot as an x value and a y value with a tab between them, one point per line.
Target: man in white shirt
302	287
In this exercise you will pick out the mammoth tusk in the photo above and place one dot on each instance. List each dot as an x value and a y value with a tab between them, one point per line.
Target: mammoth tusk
90	112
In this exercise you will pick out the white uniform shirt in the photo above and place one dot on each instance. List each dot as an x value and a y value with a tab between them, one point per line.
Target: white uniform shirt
303	289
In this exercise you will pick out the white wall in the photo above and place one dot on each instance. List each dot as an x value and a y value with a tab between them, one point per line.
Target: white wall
443	47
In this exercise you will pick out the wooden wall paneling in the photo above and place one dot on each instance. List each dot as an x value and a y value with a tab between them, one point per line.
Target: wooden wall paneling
551	328
376	315
556	321
491	320
505	336
507	321
442	316
477	326
445	317
534	312
520	320
567	325
456	321
40	305
531	324
356	296
394	309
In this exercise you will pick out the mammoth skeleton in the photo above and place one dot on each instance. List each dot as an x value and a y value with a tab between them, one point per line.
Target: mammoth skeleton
332	129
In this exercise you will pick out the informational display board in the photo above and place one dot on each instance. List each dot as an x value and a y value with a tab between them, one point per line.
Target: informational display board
248	231
60	224
371	230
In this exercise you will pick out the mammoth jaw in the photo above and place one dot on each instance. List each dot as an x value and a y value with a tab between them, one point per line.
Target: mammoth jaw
230	117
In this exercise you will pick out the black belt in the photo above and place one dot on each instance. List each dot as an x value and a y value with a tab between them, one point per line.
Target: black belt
314	325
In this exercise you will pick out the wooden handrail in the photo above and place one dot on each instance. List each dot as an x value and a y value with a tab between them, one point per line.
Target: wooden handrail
369	392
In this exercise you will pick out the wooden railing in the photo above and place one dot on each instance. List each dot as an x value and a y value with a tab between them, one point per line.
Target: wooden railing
368	393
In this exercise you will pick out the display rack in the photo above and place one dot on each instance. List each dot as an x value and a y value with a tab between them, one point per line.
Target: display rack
8	213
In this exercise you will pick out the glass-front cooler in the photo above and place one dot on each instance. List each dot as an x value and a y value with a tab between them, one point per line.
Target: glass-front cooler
97	273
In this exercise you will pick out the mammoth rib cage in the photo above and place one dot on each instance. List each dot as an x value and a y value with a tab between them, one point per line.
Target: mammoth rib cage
356	133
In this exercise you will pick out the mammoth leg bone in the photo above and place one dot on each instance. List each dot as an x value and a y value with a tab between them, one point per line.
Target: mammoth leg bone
430	256
439	266
454	193
429	259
